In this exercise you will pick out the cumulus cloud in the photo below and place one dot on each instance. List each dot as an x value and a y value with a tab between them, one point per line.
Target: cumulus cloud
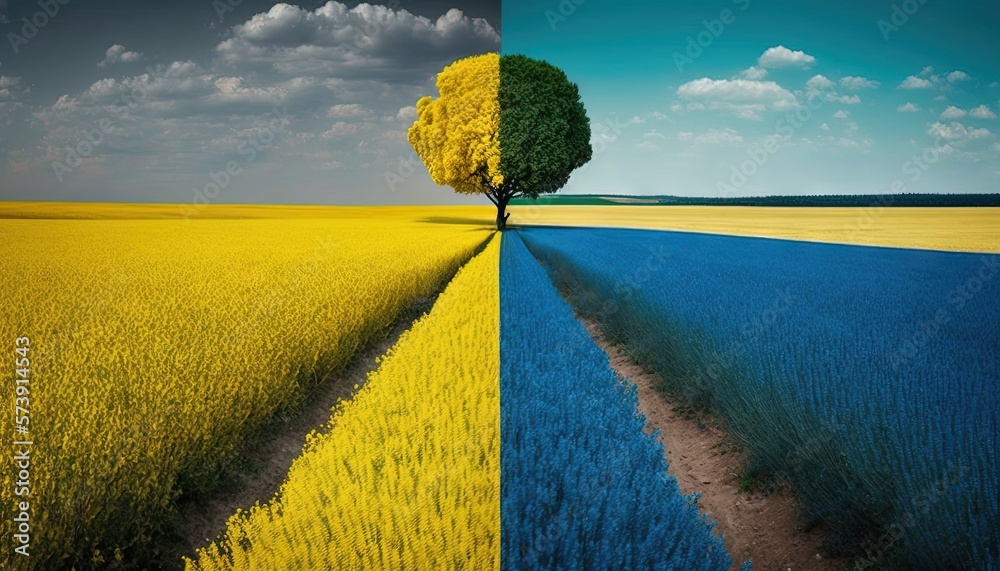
118	54
907	108
361	42
956	76
982	112
956	131
345	79
914	82
854	83
825	127
863	144
780	56
341	129
725	136
12	93
819	83
753	96
753	73
408	113
841	114
845	99
952	112
349	111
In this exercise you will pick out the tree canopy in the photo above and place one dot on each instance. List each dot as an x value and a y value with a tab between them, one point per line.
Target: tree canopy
503	126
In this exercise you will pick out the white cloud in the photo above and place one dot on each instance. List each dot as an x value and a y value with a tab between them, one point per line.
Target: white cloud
408	113
956	76
995	147
982	112
952	112
914	82
118	54
336	77
819	83
864	144
995	84
753	73
685	136
725	136
654	134
340	130
780	56
363	42
841	114
926	71
825	127
349	111
845	99
956	131
907	108
738	91
647	146
854	82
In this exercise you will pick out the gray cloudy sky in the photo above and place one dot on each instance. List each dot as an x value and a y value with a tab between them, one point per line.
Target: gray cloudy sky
148	101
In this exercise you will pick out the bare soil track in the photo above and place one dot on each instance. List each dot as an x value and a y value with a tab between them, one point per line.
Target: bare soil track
762	528
266	462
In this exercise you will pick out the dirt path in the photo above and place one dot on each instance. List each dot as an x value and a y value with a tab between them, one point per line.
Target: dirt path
268	461
761	528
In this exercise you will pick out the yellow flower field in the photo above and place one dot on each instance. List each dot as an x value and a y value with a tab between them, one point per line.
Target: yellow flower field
408	476
158	345
958	229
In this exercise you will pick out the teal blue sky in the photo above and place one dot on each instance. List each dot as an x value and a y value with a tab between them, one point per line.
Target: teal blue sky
762	97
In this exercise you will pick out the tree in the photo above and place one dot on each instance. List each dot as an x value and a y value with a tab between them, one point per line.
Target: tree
503	126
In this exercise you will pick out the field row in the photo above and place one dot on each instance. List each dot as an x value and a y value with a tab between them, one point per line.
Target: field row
160	346
583	486
408	475
867	377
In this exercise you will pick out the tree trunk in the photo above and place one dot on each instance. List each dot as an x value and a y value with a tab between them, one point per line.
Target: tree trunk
502	215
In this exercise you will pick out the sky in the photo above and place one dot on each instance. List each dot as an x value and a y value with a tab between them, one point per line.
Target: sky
776	97
225	101
250	101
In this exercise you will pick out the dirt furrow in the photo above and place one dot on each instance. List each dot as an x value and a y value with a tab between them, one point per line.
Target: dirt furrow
762	528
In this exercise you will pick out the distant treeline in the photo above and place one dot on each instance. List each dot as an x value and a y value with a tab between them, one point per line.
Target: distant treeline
843	200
